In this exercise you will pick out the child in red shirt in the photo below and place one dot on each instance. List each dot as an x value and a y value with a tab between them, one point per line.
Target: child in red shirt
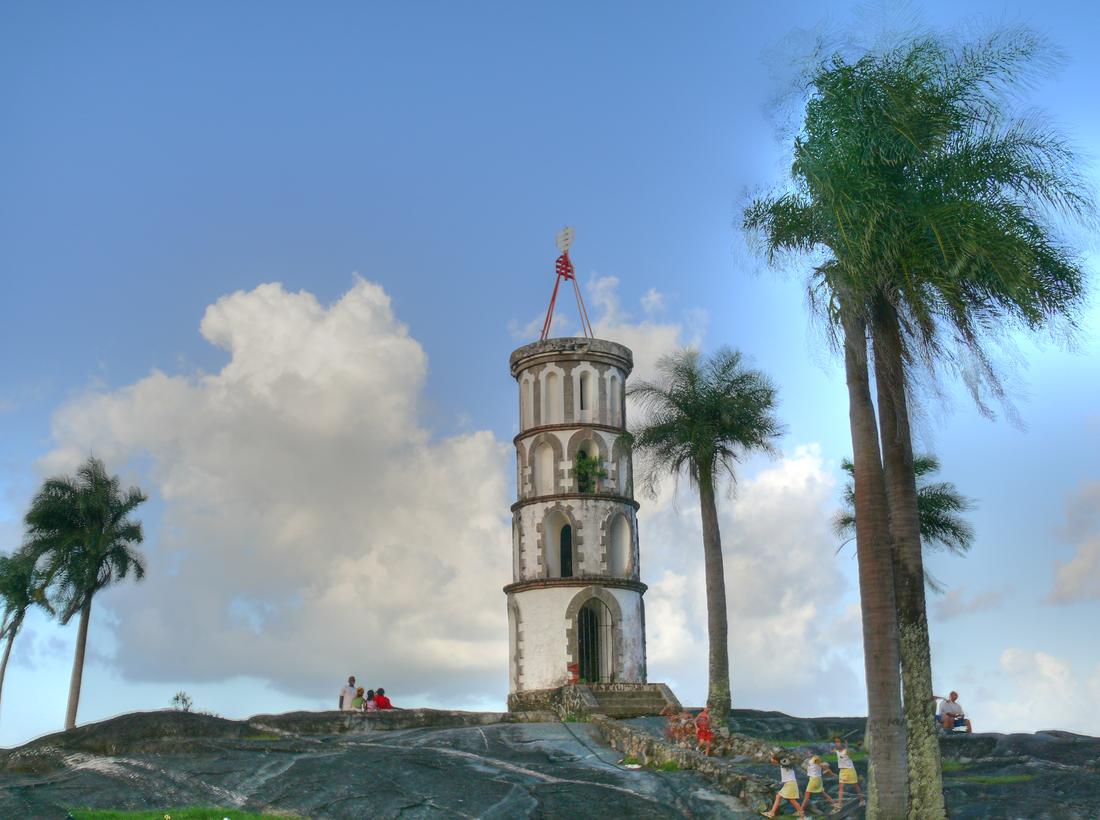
381	701
702	728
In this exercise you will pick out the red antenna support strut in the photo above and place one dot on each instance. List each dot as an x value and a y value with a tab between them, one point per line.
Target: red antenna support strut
565	270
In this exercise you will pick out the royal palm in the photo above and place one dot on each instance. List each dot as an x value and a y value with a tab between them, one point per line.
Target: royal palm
80	531
932	203
21	587
700	417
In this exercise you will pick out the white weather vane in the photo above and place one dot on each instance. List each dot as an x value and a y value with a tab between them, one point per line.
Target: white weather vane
564	269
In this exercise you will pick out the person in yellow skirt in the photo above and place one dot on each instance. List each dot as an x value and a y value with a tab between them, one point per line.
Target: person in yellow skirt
789	790
813	767
847	772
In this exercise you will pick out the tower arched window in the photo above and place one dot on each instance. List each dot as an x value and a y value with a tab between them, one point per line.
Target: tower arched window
544	469
615	403
585	397
594	642
588	467
565	551
558	541
552	403
527	405
618	548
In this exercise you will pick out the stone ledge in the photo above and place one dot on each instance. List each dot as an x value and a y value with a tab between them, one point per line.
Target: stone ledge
756	793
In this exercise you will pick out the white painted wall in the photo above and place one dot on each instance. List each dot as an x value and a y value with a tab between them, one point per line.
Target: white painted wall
543	637
589	514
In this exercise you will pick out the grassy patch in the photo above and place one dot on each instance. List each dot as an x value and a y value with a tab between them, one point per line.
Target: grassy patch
951	765
993	781
630	761
191	813
852	753
668	766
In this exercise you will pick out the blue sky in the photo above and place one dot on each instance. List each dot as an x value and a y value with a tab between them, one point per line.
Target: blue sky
269	261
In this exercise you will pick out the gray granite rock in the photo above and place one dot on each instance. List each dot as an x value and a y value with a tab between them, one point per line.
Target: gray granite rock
419	763
428	763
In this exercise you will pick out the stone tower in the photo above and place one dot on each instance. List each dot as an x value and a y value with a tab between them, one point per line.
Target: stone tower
575	611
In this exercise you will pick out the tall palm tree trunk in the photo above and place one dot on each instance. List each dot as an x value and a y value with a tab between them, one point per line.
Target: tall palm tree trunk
887	794
78	663
12	630
718	687
922	743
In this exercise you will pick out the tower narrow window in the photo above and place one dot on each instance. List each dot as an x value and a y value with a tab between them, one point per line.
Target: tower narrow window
565	551
552	403
615	403
526	406
544	470
585	397
618	548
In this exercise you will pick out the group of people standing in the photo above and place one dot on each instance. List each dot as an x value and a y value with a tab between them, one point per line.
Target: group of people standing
814	768
353	699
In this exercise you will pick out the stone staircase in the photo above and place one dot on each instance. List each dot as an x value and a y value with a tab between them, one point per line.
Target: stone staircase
627	700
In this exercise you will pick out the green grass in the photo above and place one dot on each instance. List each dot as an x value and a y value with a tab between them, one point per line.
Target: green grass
855	754
951	765
193	813
993	781
668	766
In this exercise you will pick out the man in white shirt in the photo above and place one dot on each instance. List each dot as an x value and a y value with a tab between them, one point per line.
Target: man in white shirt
950	715
347	695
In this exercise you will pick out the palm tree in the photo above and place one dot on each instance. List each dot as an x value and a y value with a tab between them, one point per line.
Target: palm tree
939	506
79	531
701	416
934	204
21	587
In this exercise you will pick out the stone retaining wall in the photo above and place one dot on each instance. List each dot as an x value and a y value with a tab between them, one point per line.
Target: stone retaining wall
756	793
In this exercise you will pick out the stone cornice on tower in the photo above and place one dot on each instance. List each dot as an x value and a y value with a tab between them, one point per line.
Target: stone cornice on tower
578	581
542	499
556	350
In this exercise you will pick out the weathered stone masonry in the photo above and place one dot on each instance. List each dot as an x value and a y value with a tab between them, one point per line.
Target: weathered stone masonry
575	602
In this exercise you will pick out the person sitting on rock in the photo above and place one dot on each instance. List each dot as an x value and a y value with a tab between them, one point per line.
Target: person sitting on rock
381	701
950	715
358	702
372	705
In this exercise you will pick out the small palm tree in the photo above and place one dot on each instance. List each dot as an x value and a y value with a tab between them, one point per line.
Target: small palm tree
939	509
80	533
701	416
21	587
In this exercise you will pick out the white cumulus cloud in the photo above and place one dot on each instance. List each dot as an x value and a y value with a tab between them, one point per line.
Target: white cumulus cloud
792	642
311	527
308	526
1046	694
1079	577
954	603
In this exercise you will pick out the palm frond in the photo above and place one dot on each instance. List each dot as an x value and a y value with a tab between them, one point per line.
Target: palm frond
81	537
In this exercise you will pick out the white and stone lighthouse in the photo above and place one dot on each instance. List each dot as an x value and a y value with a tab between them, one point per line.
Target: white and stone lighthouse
575	610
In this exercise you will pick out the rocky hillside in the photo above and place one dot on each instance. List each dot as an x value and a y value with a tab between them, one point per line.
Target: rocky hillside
332	765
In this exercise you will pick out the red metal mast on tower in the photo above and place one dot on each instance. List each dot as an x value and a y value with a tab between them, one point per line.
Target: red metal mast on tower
565	270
